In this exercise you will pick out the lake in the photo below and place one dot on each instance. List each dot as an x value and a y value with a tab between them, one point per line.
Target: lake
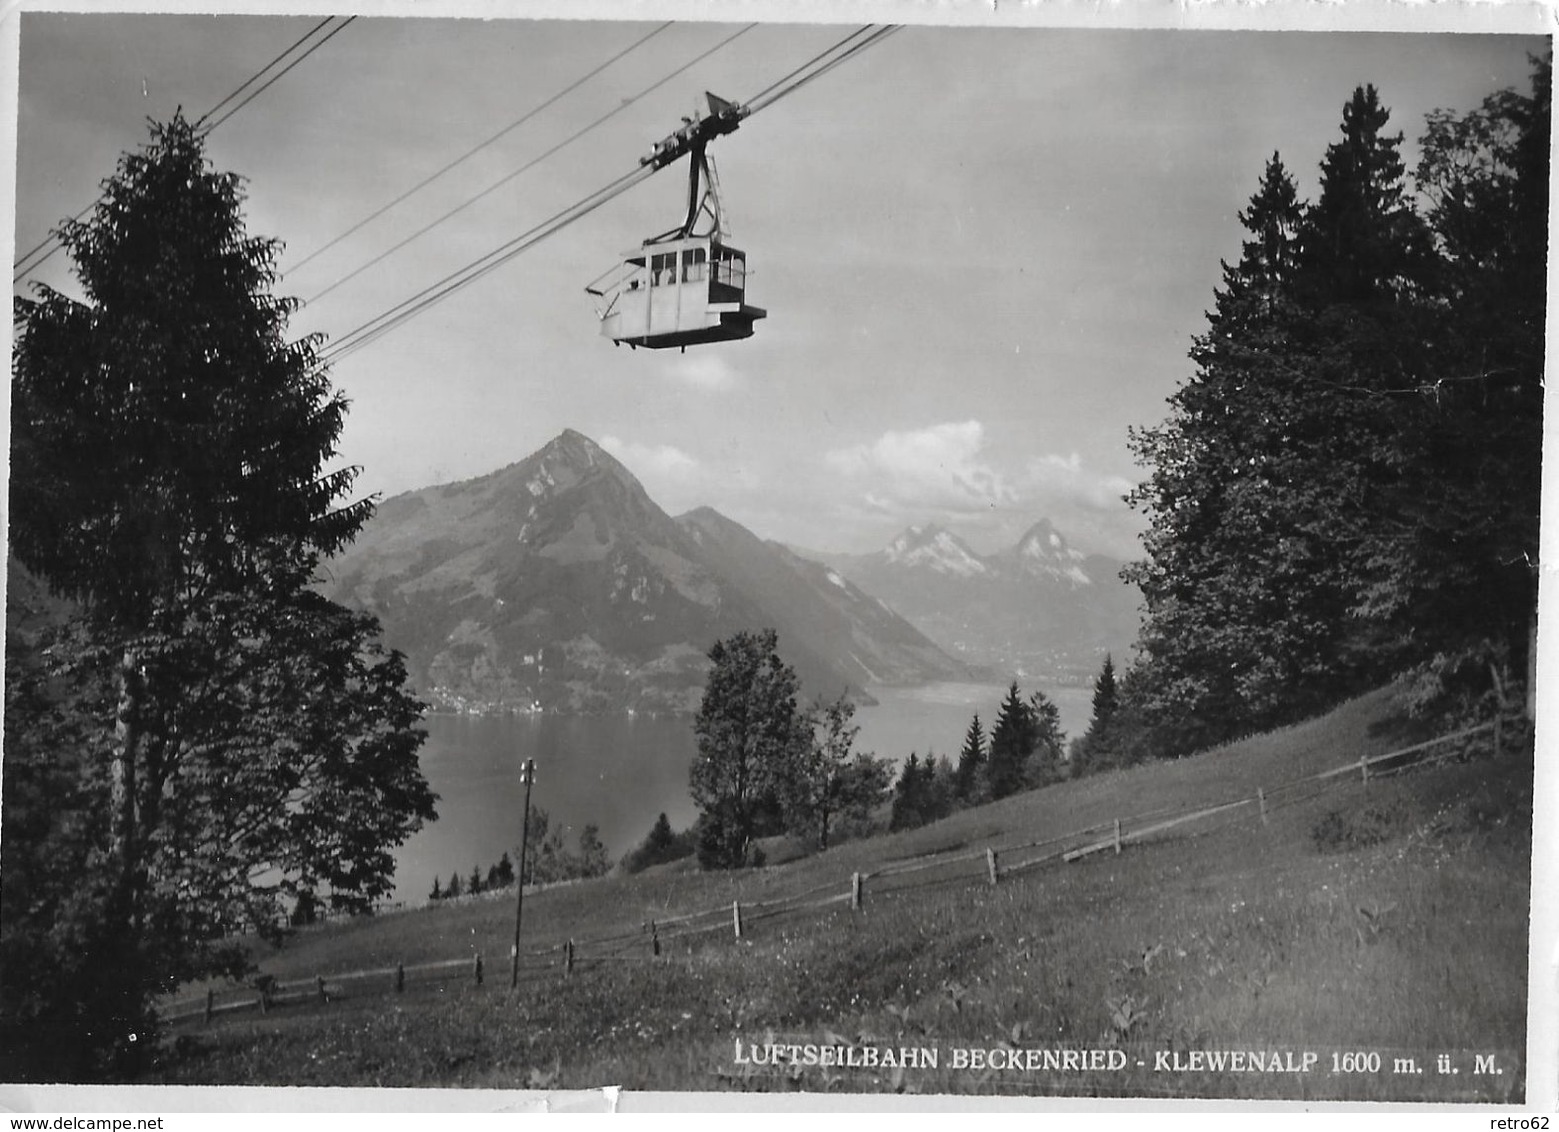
621	771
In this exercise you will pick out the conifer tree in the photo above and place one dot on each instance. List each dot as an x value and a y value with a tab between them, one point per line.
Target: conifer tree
1270	472
1045	760
505	871
909	795
1213	465
1097	745
233	738
1105	697
1363	241
971	762
1014	739
1347	486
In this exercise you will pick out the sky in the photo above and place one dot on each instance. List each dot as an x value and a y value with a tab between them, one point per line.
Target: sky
984	251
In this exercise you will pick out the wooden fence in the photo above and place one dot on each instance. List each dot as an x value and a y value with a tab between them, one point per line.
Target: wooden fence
992	863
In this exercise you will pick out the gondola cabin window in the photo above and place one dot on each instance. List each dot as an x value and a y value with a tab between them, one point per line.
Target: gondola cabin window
679	293
730	275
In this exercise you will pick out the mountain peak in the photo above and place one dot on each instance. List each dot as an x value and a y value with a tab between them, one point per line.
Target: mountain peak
575	447
931	547
1042	550
571	459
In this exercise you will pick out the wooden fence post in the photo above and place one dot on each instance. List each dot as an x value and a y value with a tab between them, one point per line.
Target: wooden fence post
400	977
1261	800
211	1002
1364	771
319	985
477	969
990	865
1117	835
654	938
736	918
855	892
568	959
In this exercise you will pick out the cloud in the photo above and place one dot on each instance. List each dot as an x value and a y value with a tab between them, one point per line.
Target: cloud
954	473
938	468
1063	479
703	370
664	463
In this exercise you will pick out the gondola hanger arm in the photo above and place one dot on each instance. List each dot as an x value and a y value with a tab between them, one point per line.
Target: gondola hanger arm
723	118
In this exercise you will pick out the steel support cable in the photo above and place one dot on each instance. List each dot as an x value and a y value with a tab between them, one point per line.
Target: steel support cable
370	332
871	41
51	242
882	33
337	30
375	328
440	289
531	164
474	150
254	78
782	80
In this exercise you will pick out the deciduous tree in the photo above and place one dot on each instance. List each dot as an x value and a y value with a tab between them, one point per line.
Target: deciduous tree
593	861
828	778
749	733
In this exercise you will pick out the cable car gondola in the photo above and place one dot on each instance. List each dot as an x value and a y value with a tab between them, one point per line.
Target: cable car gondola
684	287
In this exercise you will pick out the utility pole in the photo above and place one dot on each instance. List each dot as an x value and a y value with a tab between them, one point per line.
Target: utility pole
527	776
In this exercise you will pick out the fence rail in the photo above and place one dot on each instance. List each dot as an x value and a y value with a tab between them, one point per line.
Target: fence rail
646	942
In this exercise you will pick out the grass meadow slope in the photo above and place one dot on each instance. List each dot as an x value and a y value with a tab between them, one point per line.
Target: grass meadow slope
1386	917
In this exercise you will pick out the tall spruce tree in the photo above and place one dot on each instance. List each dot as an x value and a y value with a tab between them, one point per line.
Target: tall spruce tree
909	795
216	738
1045	761
971	762
1014	738
1370	345
1222	641
1363	241
1347	487
1097	745
1106	699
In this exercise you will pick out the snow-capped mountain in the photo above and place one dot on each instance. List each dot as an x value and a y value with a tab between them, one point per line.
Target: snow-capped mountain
1043	553
1041	606
932	548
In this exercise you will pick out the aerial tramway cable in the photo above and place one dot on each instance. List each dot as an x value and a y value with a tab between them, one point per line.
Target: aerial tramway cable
386	322
531	164
474	150
757	103
275	78
761	99
26	264
375	328
337	30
